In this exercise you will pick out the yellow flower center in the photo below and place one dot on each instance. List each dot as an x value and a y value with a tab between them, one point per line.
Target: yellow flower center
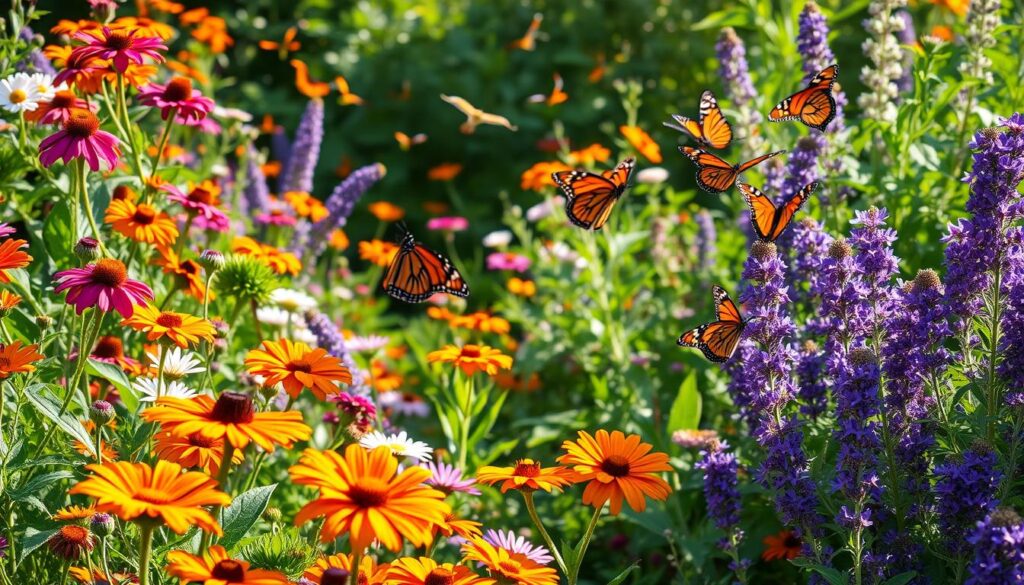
17	96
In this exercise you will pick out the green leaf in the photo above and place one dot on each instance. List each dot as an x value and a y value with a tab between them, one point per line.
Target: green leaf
57	234
901	579
117	377
34	539
50	408
37	484
622	576
831	575
243	512
685	412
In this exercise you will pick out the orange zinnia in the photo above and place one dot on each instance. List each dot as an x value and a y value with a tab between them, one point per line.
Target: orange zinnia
462	527
472	358
194	450
296	366
426	571
537	177
590	155
17	358
508	566
338	239
144	26
178	328
444	172
213	32
74	513
11	256
642	142
370	573
521	287
526	476
280	262
8	301
306	86
136	490
783	545
384	379
188	273
379	252
616	467
216	567
481	321
361	495
305	205
385	211
141	222
232	417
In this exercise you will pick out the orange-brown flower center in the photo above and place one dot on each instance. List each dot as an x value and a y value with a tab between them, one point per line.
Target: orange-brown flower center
200	195
109	272
123	193
299	366
169	320
527	468
63	99
233	407
82	124
229	570
178	89
152	496
509	568
439	576
119	41
792	541
190	267
198	440
5	363
369	493
144	214
471	351
336	576
76	534
615	466
109	346
17	96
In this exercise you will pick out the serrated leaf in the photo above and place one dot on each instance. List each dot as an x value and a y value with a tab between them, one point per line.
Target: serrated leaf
686	409
36	484
243	512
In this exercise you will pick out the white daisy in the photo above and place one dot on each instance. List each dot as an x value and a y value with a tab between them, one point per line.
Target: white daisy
18	93
498	239
147	389
272	316
178	363
401	445
44	86
304	335
367	343
292	300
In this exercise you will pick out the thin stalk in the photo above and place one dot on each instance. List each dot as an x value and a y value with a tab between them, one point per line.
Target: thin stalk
83	188
222	480
587	536
532	510
145	550
164	138
357	559
160	371
464	420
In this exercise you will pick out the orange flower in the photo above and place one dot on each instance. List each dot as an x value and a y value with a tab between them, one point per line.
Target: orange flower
508	566
453	525
17	358
188	273
194	16
216	567
232	417
166	6
338	240
590	155
305	205
143	26
435	207
943	32
426	571
370	573
515	382
616	467
72	27
11	256
444	172
642	142
441	314
306	86
957	7
378	252
481	321
287	45
386	211
537	177
213	32
271	169
179	328
526	476
521	287
384	380
141	222
134	490
296	366
472	358
361	495
281	262
784	545
74	513
194	450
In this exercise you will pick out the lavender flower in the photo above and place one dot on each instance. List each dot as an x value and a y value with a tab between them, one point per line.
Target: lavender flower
811	380
965	492
812	43
1011	342
883	49
36	62
720	481
735	74
982	21
875	265
998	549
843	307
281	146
329	338
298	175
802	165
256	195
341	202
514	543
705	239
808	252
774	171
857	404
448	479
907	37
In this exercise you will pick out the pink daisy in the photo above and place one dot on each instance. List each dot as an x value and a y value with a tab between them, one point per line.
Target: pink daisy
120	46
507	261
104	284
80	137
200	203
448	479
177	97
58	110
6	230
448	224
514	543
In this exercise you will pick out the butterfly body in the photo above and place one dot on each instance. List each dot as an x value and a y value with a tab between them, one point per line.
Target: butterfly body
710	129
814	105
417	273
589	197
715	175
718	339
768	220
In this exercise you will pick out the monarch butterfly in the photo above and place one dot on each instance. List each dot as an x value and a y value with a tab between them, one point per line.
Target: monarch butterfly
710	128
770	221
307	86
475	116
557	96
589	198
417	273
347	97
714	175
813	105
405	142
718	339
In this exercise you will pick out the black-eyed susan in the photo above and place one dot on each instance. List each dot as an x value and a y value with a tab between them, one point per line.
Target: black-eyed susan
782	545
370	572
507	566
141	222
472	358
296	366
363	495
179	328
188	274
527	475
426	571
216	567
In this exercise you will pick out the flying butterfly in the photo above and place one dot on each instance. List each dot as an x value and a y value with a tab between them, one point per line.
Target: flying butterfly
715	175
589	197
813	105
405	142
770	221
417	273
710	128
557	96
528	41
347	98
718	340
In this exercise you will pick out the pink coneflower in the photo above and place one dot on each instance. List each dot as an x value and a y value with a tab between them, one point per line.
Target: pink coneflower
121	47
77	69
206	125
80	137
275	217
104	284
448	224
58	110
359	408
200	202
448	479
405	403
507	261
514	543
6	230
178	97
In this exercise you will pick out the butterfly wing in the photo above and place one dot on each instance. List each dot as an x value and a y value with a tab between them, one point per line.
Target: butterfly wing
754	162
715	129
417	273
717	340
784	215
714	175
589	198
814	105
763	214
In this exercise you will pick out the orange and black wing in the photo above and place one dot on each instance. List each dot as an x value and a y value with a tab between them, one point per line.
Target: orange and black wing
590	198
769	221
814	105
417	273
754	162
717	340
711	128
714	175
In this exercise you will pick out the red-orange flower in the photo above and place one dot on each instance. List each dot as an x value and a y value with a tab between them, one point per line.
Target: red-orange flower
296	366
11	256
642	142
537	177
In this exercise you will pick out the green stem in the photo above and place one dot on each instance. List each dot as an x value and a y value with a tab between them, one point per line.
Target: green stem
992	408
145	548
585	543
99	443
222	480
464	421
532	510
160	370
83	184
164	138
357	559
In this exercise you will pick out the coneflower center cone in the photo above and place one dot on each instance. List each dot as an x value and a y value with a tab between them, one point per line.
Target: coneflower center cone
119	41
169	320
439	576
229	570
200	195
109	272
369	493
63	99
336	576
144	215
82	124
178	89
527	468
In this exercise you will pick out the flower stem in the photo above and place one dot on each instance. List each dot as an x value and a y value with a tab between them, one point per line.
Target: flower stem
357	559
531	509
145	548
585	543
83	188
160	371
222	480
164	138
465	417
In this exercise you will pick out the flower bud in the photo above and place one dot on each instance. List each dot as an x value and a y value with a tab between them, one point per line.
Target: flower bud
102	524
211	260
861	356
87	250
101	412
273	514
839	249
44	322
763	250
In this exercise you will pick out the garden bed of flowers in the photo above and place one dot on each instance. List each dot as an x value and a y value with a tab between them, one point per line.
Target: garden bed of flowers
395	293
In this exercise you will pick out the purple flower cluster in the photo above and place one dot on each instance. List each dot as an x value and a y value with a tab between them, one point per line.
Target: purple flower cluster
330	339
1011	340
340	204
305	153
875	264
36	62
856	434
808	251
255	195
705	239
998	543
811	381
812	43
720	480
802	165
843	309
733	68
965	491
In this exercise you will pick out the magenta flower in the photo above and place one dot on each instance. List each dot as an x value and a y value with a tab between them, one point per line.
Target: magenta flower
448	224
105	285
58	110
80	137
200	203
514	543
205	125
507	261
448	479
5	230
177	97
121	47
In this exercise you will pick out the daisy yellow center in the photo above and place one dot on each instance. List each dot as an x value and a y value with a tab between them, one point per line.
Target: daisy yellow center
152	496
615	466
200	195
82	124
369	492
17	96
63	99
109	347
229	570
119	41
471	351
109	272
439	576
169	320
527	468
198	440
144	215
178	89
